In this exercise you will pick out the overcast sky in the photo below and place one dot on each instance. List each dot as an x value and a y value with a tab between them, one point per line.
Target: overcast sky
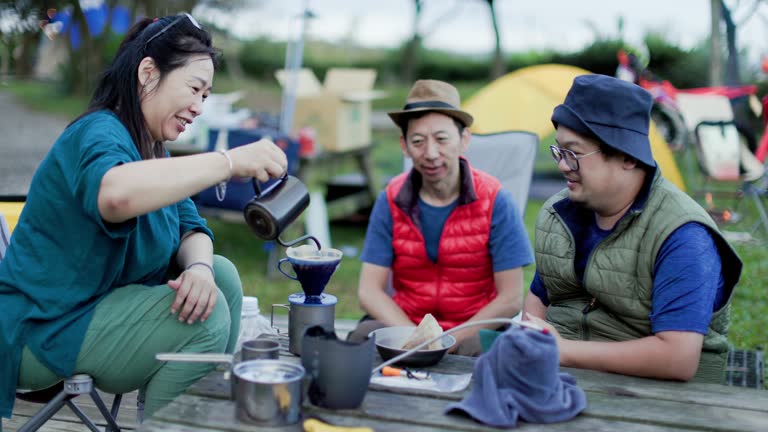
525	24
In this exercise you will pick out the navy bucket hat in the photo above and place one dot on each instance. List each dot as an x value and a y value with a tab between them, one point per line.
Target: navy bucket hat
613	111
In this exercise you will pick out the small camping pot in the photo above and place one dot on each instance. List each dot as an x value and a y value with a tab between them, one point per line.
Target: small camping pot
268	392
273	209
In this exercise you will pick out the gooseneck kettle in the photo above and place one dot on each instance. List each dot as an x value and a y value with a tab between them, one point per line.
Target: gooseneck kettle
271	210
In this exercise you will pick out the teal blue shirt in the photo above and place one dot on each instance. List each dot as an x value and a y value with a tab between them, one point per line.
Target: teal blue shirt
64	258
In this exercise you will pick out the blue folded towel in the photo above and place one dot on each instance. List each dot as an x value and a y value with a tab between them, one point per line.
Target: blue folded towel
520	379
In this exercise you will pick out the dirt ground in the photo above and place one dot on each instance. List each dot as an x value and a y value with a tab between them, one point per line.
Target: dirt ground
25	138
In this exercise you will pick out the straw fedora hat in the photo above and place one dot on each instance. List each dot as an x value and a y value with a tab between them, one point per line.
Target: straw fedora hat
432	95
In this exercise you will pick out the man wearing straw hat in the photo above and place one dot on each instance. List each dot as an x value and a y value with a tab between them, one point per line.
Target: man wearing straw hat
630	271
451	239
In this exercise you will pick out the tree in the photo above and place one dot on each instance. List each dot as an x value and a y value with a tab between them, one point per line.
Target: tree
715	44
18	27
498	67
412	48
722	13
89	59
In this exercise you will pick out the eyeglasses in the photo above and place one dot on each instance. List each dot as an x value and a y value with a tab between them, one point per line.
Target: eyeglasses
570	157
171	24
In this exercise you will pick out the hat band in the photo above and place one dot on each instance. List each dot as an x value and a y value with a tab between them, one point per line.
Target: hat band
428	104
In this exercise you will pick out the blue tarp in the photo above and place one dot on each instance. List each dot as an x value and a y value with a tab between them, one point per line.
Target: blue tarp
96	18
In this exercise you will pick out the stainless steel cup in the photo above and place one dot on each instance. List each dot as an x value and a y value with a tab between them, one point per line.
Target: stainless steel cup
260	349
305	312
268	392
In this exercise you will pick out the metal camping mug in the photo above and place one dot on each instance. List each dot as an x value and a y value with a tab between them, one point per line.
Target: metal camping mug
264	349
270	211
300	318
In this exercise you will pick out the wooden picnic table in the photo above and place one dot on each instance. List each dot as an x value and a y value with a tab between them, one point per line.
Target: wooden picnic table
615	403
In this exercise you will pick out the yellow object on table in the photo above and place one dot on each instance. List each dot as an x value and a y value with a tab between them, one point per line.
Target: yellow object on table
11	212
315	425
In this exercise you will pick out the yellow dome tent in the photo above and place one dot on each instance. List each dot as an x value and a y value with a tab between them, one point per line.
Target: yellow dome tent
524	100
11	212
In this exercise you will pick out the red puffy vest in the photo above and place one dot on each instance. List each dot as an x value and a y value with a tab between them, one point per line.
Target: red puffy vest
461	282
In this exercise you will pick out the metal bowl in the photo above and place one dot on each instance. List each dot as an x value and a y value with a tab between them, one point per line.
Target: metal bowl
390	339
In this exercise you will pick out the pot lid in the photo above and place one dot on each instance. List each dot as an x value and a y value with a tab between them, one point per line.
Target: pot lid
319	300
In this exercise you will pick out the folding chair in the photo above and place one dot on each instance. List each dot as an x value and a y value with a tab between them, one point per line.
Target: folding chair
721	152
509	156
62	393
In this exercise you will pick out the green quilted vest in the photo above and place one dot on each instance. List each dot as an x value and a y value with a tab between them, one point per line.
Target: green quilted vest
614	303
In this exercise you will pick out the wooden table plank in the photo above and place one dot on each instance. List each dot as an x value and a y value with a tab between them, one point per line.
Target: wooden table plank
674	414
616	402
590	381
609	399
194	413
209	414
53	425
692	393
600	406
158	425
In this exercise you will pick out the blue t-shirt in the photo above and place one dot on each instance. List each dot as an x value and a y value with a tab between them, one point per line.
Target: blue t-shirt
687	287
64	258
508	244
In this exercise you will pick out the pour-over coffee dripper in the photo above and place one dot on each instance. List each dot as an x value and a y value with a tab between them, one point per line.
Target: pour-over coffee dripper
313	269
312	307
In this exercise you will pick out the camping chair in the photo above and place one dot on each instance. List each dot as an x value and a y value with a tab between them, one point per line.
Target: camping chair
509	156
721	152
62	393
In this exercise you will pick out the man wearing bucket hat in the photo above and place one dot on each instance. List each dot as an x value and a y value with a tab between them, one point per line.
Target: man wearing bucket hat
452	240
630	271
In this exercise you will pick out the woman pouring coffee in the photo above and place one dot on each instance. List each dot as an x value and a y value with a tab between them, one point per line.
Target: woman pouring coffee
110	262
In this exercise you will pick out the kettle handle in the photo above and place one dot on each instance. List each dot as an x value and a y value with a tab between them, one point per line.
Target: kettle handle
257	186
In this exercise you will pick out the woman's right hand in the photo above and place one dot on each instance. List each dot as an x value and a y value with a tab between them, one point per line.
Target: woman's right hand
261	159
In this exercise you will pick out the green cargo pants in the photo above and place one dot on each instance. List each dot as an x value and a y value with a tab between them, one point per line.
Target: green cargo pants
132	324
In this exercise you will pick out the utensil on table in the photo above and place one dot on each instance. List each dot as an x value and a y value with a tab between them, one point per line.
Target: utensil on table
421	380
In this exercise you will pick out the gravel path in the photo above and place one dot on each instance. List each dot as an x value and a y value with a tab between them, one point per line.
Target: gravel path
25	138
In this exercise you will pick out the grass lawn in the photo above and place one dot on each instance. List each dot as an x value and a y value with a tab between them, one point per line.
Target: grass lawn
749	319
749	311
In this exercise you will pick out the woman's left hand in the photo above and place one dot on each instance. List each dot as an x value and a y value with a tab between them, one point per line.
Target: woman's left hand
197	291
